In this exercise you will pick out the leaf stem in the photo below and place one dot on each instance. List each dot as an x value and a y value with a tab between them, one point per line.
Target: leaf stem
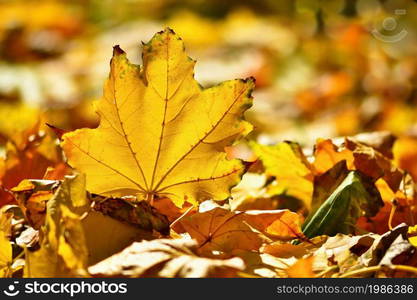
372	269
394	205
150	198
182	216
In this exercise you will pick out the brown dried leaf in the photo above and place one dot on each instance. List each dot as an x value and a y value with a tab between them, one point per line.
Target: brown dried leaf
165	258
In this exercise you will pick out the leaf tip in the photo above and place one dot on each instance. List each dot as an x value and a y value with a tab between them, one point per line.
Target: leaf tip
117	50
58	131
167	30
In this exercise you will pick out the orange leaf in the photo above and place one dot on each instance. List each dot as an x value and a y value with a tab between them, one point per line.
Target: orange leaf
303	268
405	155
219	229
327	155
30	158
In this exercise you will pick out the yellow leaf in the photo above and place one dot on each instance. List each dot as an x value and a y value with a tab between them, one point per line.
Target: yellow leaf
106	236
19	116
412	235
6	250
286	162
161	134
6	257
63	250
68	222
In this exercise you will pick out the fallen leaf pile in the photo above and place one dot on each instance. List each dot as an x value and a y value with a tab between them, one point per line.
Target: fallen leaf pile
156	191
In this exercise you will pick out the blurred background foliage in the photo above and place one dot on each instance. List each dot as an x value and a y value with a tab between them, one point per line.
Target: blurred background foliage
322	68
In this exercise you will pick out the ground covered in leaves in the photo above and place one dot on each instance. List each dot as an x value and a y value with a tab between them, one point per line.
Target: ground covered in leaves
172	181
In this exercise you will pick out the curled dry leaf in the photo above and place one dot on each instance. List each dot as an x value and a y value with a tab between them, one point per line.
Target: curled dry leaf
358	156
63	250
343	254
391	249
139	214
374	164
32	197
382	141
399	252
165	258
74	235
342	251
376	252
167	132
412	235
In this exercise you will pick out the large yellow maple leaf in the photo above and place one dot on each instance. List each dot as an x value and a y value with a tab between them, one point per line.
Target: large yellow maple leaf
161	134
